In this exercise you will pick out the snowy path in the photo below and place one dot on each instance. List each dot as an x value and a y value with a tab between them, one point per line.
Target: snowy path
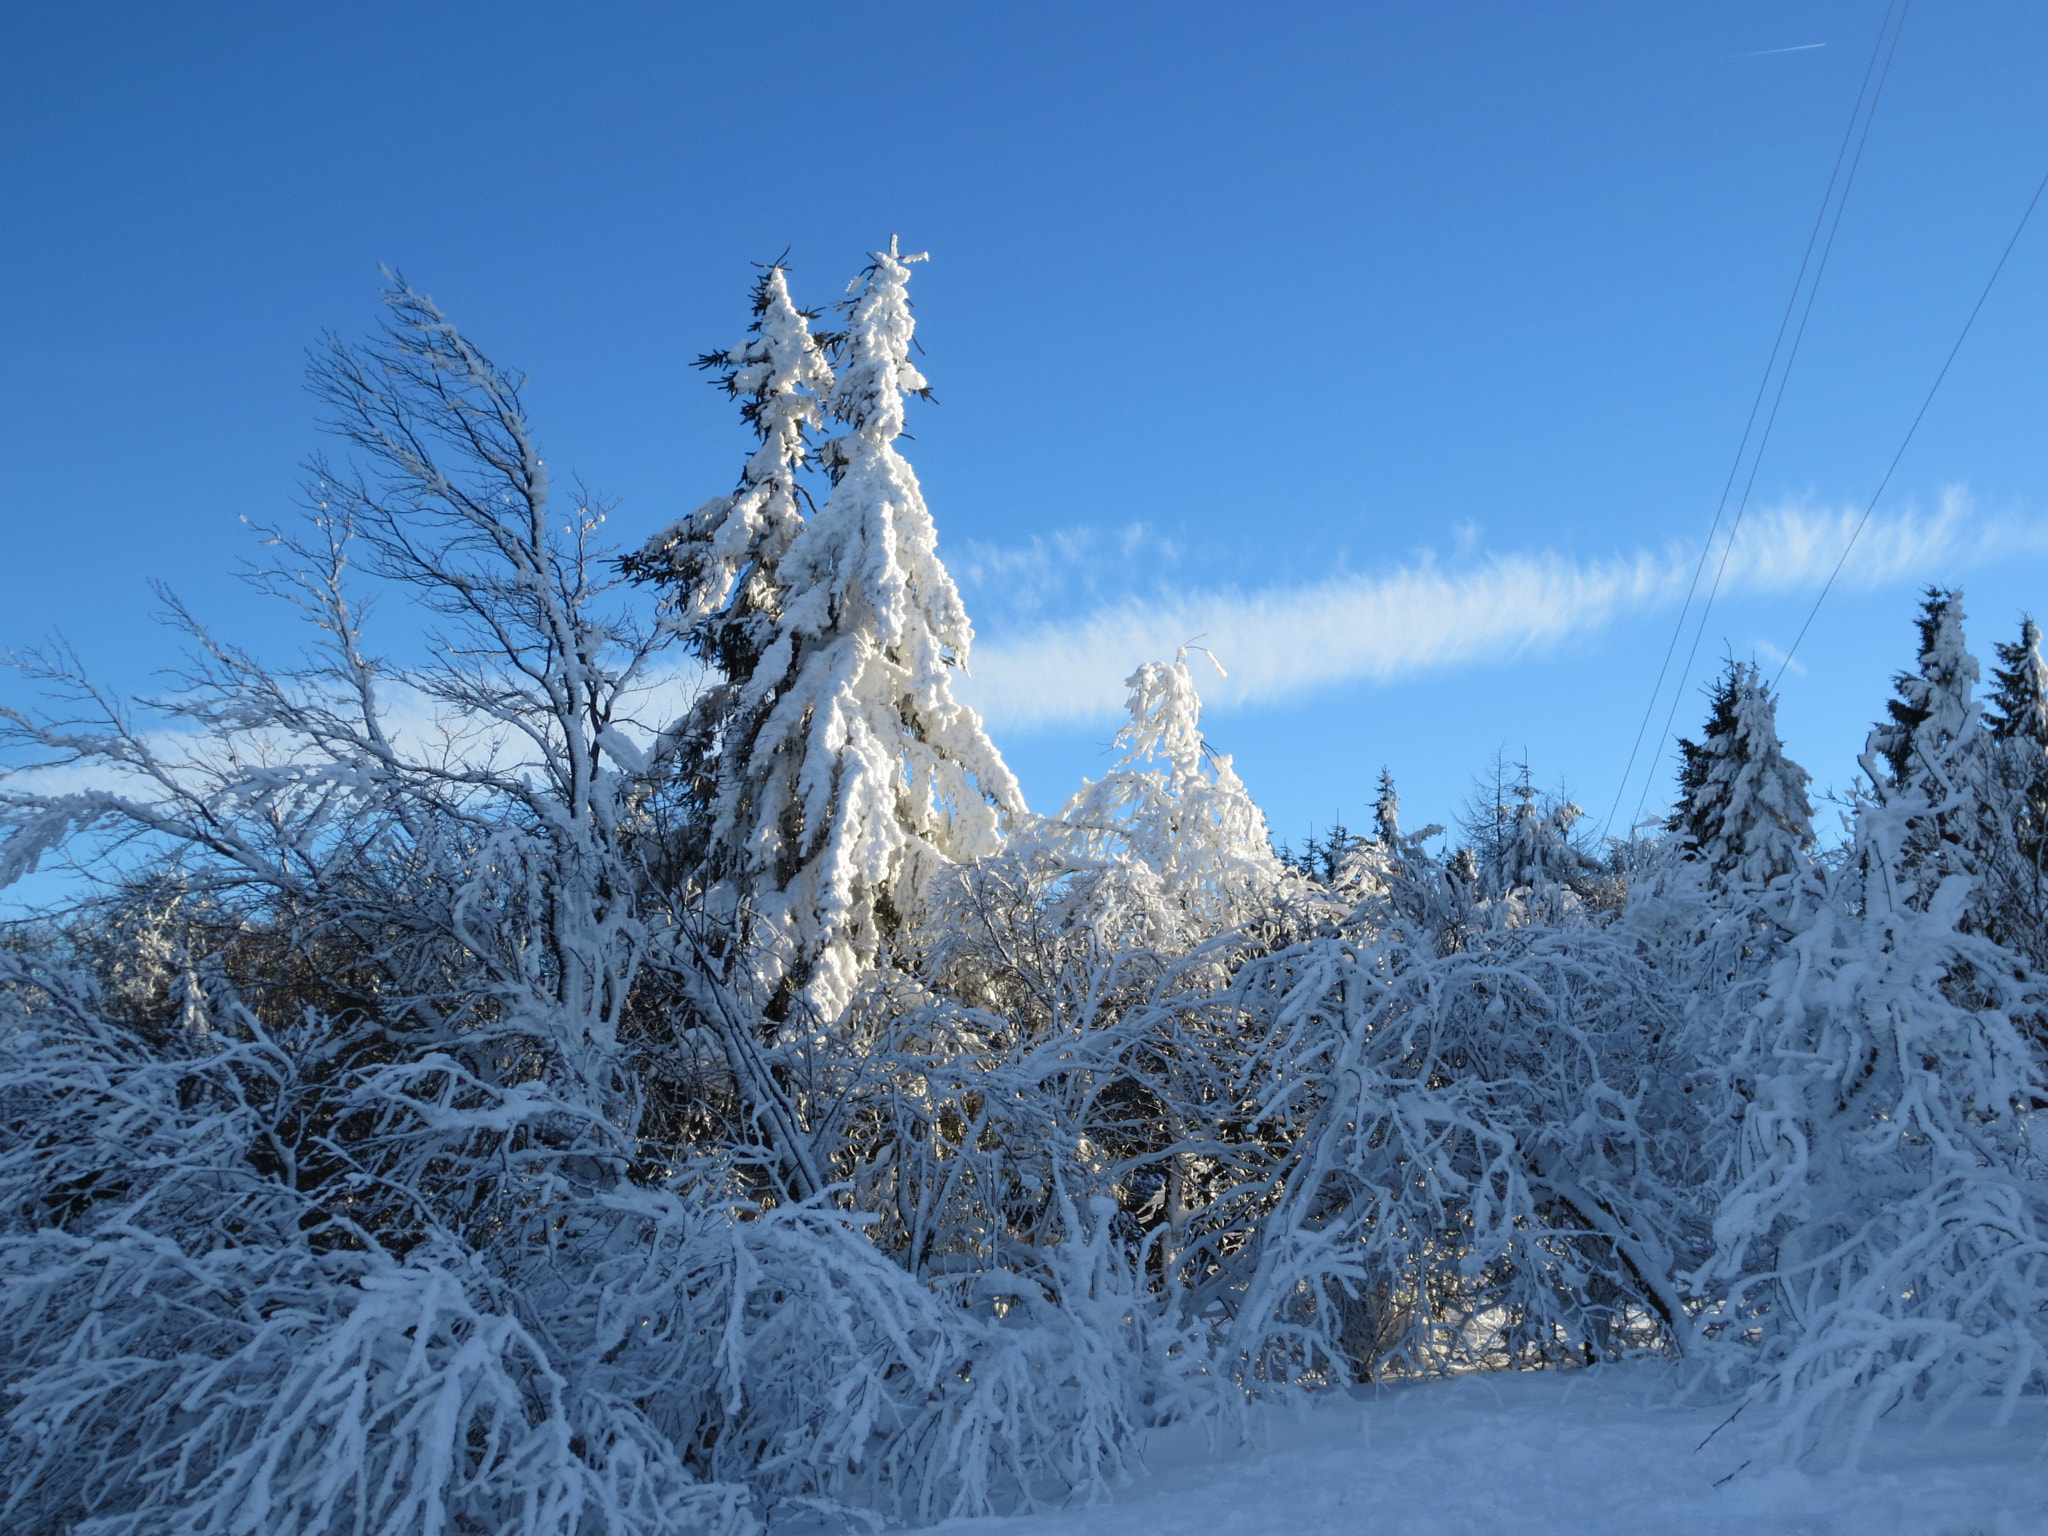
1580	1454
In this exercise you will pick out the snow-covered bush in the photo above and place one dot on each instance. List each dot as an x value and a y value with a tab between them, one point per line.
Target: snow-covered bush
1882	1230
1435	1160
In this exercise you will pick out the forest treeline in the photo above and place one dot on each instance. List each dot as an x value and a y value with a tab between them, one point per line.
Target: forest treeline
449	1095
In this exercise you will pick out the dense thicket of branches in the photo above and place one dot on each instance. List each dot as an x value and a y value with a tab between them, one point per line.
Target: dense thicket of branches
487	1095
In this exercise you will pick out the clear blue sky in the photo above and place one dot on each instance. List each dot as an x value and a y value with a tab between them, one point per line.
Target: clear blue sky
1272	323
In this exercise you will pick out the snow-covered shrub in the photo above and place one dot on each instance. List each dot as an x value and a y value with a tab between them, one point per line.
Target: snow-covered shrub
1440	1160
1882	1232
523	1344
215	1321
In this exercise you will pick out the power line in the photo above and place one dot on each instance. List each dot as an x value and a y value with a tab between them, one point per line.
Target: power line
1820	218
1918	416
1756	463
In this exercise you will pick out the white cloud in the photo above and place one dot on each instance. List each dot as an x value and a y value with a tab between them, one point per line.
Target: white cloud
1286	641
1056	565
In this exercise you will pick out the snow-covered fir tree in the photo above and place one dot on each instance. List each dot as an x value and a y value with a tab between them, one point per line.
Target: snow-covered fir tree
2018	706
1386	811
718	573
2018	716
865	775
1523	853
1931	762
1743	811
1932	723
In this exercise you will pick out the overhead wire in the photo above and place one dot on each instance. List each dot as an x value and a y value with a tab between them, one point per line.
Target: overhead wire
1835	177
1918	417
1756	463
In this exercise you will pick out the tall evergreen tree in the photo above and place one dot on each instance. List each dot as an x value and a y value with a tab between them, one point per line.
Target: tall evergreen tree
1742	808
1386	812
718	571
1931	764
2018	706
865	774
2018	718
1934	719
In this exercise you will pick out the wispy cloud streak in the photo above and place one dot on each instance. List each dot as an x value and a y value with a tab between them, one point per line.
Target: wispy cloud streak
1284	642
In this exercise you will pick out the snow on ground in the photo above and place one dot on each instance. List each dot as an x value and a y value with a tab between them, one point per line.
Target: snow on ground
1585	1453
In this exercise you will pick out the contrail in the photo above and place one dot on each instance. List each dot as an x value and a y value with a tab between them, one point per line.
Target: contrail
1761	52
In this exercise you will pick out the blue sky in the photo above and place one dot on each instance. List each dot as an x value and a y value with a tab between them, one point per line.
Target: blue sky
1399	350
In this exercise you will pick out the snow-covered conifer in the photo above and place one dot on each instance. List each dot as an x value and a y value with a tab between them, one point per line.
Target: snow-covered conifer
1743	810
1522	842
1935	717
1386	812
2018	717
865	775
1931	765
718	564
717	569
1394	875
2019	699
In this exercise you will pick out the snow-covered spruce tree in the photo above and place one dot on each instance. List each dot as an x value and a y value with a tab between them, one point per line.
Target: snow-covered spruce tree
864	775
1392	875
1386	811
718	573
1931	763
2019	699
1392	879
1742	809
2018	717
1324	856
1526	865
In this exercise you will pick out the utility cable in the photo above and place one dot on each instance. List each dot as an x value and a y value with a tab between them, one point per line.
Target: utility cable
1856	112
1756	464
1918	416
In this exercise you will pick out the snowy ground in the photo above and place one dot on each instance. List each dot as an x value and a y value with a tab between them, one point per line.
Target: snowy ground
1595	1453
